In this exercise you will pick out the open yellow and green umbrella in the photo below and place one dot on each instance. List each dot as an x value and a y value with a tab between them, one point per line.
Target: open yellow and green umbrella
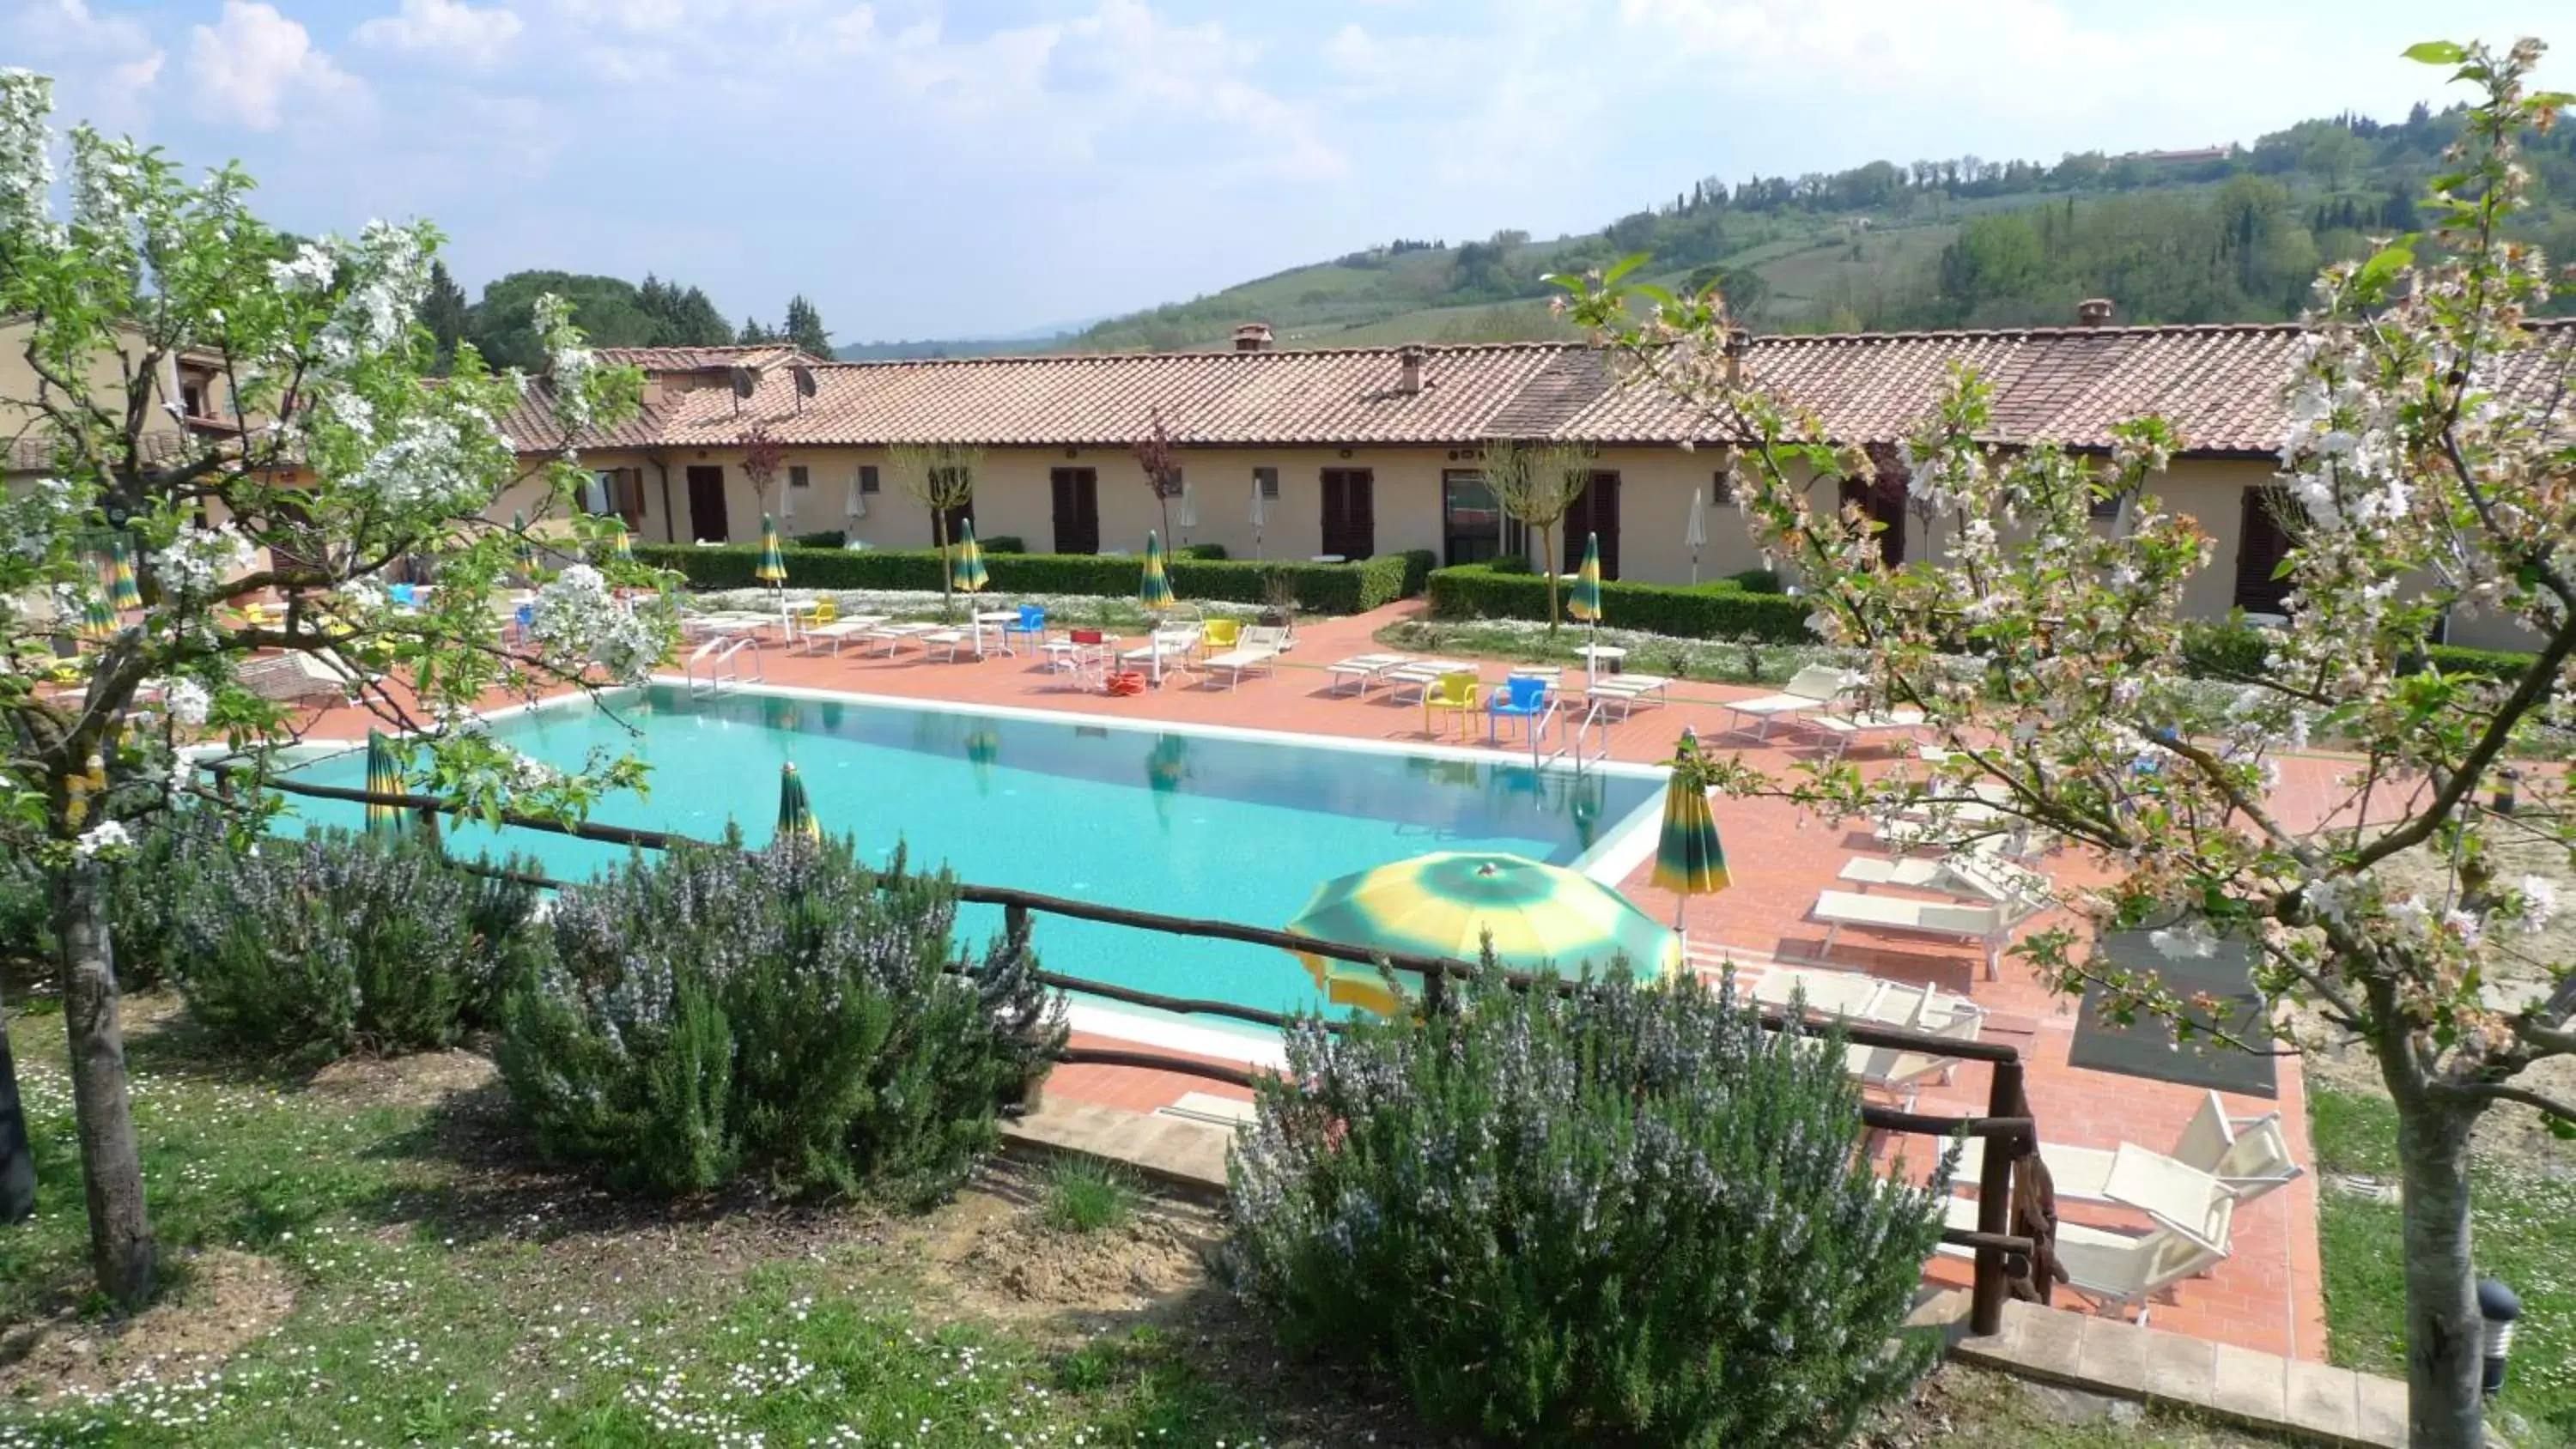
1688	860
122	592
526	547
384	777
772	568
795	814
1446	904
1154	590
966	571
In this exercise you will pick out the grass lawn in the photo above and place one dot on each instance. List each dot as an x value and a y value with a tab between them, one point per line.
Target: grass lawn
2525	1234
360	1258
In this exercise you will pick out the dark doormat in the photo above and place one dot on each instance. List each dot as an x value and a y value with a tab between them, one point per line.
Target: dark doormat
2146	1047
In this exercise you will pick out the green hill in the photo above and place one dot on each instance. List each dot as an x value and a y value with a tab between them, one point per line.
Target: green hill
2227	234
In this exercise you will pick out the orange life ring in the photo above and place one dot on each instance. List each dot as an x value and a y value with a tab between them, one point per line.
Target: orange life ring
1127	682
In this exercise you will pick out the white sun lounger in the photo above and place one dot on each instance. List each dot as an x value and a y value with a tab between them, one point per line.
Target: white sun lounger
1421	674
1362	670
1842	731
1990	926
895	636
2248	1155
834	633
1627	691
2112	1270
1259	649
1811	689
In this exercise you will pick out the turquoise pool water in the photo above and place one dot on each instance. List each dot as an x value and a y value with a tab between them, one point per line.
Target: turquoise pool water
1189	824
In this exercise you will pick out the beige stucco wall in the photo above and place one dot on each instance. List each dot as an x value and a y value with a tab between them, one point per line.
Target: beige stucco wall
21	386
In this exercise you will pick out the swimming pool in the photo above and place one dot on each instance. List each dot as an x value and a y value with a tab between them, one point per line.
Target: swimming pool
1189	822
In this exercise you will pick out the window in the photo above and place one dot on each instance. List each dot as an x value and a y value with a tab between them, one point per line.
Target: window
2107	504
867	477
597	493
1267	480
798	476
1721	486
192	400
1472	524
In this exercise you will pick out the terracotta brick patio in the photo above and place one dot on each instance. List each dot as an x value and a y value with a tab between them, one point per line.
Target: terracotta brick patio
2267	1296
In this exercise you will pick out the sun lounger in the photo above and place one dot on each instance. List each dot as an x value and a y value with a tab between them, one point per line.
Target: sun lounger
895	636
1259	649
1842	731
949	642
835	632
1627	691
2247	1155
1363	670
1420	675
1972	874
2112	1270
1990	926
1811	690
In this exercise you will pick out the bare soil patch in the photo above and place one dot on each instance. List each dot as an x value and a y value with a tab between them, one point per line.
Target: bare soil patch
422	1079
223	1300
995	1250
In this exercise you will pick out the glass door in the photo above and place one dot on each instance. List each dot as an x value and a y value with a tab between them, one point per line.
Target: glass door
1471	522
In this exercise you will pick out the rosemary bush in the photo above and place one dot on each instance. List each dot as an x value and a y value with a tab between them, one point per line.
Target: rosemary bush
335	942
144	892
718	1012
1635	1218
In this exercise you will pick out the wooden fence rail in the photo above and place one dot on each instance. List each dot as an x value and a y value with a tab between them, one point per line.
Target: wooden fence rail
2008	1125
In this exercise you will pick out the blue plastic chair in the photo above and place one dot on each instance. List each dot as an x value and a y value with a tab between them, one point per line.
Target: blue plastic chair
1519	698
1032	624
401	594
526	617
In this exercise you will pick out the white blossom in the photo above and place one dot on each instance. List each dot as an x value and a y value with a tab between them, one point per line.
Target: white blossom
2460	923
309	270
186	700
2194	940
200	560
435	461
104	836
577	621
2539	902
26	150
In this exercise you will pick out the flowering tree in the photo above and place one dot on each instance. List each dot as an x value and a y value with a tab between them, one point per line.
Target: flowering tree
763	457
1162	465
2428	446
344	461
1536	487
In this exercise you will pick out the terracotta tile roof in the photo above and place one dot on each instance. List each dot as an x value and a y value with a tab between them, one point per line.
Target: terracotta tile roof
701	359
2069	385
532	426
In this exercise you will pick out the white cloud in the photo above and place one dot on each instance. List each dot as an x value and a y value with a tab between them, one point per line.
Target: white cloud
104	64
445	27
252	62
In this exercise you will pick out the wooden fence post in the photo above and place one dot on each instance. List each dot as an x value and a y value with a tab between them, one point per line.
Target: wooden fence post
1994	1203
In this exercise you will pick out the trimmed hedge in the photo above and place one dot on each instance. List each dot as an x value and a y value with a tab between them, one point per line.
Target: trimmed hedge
2238	651
1321	588
1722	610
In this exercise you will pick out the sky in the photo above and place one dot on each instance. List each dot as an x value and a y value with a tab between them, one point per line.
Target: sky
949	168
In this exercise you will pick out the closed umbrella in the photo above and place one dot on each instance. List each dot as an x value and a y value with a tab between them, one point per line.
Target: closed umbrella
772	568
1584	604
122	593
966	571
98	621
1695	532
384	777
983	750
795	814
1260	516
1154	590
1447	904
620	547
526	548
1688	859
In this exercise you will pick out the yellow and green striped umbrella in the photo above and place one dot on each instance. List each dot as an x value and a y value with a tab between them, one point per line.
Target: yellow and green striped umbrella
1688	860
526	547
1445	904
795	815
1584	604
98	621
772	568
1154	591
620	547
122	592
983	750
966	571
384	777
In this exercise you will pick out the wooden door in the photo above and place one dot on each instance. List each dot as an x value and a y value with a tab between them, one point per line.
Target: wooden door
1350	512
707	522
1595	514
1077	509
1884	501
2265	541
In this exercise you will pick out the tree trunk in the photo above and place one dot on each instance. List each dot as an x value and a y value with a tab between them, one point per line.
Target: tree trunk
17	1160
1547	566
947	573
120	1237
2444	1349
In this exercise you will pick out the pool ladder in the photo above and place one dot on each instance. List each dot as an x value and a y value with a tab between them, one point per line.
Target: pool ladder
723	660
1587	748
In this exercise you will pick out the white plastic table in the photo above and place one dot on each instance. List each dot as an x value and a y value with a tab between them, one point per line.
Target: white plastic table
1000	622
1596	655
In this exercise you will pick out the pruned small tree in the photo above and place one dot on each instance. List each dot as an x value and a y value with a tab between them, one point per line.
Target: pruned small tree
2426	444
1536	485
345	461
763	459
941	478
1162	464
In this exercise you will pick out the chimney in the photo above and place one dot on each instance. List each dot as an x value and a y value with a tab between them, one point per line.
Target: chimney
1410	379
1252	337
1738	343
2093	312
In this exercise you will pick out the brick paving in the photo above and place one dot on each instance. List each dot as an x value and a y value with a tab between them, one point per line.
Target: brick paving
2267	1296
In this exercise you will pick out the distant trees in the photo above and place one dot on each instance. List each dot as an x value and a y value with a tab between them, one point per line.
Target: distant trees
682	316
611	310
446	313
805	327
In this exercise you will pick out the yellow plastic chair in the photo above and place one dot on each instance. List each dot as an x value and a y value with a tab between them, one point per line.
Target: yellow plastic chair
1455	693
821	611
1219	635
